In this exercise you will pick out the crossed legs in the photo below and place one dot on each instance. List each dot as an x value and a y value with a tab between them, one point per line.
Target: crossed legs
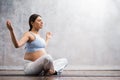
46	65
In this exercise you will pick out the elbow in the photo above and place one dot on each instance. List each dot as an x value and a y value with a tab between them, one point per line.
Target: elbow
16	46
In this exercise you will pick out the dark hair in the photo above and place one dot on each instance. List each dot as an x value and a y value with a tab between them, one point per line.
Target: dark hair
32	19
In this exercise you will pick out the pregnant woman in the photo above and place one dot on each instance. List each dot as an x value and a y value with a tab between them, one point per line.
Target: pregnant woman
38	61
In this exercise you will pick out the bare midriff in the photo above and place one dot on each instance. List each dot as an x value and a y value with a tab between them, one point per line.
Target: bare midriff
32	56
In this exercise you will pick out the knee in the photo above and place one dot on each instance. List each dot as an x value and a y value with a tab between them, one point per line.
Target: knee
48	59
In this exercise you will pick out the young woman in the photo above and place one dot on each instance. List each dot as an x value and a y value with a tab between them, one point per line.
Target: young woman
39	61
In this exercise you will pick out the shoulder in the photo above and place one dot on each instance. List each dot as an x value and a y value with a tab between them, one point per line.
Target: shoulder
27	34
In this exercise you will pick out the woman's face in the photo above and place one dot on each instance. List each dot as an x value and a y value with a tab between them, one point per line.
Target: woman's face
38	24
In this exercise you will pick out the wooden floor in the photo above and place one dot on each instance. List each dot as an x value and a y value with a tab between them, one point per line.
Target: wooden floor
66	75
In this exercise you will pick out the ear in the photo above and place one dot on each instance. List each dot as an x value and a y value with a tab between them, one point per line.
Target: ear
31	23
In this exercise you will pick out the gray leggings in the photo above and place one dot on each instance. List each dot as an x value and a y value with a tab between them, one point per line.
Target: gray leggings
45	63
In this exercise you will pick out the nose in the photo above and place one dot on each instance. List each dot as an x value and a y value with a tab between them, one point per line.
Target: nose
41	22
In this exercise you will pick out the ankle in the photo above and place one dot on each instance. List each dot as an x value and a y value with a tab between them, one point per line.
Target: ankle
51	71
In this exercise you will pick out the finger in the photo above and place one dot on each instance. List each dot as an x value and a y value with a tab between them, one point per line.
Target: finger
8	23
50	33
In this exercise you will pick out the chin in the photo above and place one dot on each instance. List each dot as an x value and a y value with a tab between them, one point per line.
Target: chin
40	27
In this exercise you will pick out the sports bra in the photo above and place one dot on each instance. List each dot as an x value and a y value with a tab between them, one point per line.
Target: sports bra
35	45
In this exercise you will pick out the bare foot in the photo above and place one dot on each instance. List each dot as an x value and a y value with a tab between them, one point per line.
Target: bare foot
51	72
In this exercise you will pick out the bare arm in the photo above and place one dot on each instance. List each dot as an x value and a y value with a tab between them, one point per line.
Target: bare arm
48	37
16	43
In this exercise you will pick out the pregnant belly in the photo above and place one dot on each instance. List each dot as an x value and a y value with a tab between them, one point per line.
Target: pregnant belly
32	56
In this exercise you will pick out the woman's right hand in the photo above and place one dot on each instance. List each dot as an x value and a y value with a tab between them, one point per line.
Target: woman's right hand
9	25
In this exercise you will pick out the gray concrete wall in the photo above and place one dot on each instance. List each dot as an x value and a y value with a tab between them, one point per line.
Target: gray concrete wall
86	32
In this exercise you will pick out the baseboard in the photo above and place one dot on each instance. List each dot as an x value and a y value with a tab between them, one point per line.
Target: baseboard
11	67
70	67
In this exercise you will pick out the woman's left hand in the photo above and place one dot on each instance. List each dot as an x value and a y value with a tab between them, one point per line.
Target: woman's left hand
48	35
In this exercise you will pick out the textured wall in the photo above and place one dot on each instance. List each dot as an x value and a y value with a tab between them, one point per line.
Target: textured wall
87	32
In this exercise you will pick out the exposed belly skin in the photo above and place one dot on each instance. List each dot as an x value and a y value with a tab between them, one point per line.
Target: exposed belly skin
32	56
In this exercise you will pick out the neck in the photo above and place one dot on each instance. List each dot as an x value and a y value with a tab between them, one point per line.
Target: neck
35	31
